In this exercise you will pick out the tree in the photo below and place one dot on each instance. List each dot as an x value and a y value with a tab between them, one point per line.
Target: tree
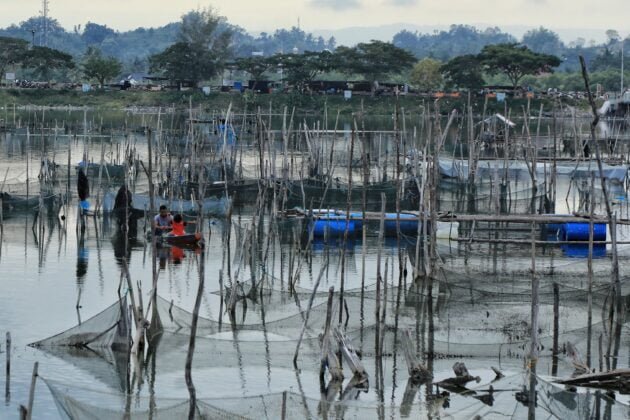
544	41
200	52
464	72
95	33
374	61
12	51
426	75
606	60
301	69
100	68
43	60
613	36
516	61
255	66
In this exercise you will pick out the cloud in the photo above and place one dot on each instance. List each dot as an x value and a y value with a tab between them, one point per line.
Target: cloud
402	2
336	4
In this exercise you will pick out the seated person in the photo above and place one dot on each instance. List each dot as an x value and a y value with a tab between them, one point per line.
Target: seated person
162	222
179	226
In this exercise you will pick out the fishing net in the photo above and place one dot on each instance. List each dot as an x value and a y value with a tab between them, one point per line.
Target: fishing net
507	397
506	287
81	403
209	206
108	329
582	403
107	366
459	330
458	200
74	402
176	319
518	170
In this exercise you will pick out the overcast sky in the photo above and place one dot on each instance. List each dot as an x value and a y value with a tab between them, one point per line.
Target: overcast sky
256	15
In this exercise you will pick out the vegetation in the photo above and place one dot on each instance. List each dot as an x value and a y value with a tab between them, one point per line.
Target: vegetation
463	72
203	44
444	45
100	68
43	60
300	69
516	61
304	104
40	60
256	67
200	52
374	60
426	75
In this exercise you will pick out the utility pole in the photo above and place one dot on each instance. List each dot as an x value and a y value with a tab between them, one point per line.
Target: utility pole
622	42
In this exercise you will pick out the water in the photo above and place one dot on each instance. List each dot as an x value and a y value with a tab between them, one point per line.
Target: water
470	313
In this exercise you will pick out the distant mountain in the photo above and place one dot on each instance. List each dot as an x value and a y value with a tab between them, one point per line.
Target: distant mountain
356	34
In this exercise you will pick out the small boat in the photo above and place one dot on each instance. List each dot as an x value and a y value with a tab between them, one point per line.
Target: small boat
14	202
190	240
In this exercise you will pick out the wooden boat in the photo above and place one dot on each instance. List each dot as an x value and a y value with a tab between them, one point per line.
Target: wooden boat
14	202
190	240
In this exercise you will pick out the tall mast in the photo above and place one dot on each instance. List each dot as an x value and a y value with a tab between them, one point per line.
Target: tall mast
45	10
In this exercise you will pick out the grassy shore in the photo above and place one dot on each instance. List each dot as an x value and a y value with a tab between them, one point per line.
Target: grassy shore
304	104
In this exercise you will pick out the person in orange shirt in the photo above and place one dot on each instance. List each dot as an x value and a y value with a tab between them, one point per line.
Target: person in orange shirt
179	226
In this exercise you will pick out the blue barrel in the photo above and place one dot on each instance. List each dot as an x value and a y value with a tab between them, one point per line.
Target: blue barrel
357	217
581	250
408	224
332	226
580	232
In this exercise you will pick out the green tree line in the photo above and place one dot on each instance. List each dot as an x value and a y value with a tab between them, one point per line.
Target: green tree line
203	45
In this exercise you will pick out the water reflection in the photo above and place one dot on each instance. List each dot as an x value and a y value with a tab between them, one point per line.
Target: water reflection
268	279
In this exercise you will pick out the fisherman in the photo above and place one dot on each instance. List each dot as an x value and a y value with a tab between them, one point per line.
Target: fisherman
162	221
83	188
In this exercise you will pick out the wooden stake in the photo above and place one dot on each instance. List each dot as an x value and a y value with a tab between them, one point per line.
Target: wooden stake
556	328
350	356
533	352
193	336
7	390
31	393
308	312
283	414
417	372
328	357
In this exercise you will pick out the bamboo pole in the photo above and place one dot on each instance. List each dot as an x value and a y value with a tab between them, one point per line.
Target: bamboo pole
31	392
350	356
379	277
615	262
417	372
533	353
283	414
150	175
191	344
7	386
590	272
308	312
347	227
556	329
